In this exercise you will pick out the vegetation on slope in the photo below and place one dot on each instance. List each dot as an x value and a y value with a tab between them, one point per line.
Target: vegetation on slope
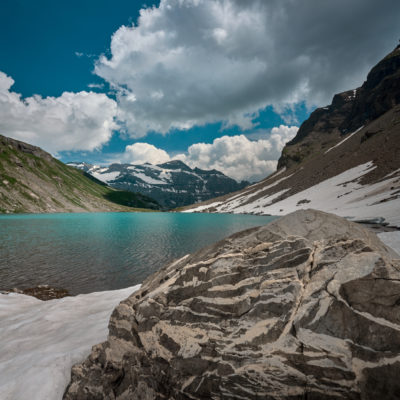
31	180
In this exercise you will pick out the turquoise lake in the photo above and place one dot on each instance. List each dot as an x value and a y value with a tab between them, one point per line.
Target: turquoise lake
102	251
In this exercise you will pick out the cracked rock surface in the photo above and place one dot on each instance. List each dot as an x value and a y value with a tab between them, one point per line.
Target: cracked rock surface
307	307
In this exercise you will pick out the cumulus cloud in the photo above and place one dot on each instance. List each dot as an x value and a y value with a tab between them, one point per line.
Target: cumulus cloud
72	121
239	157
191	62
140	153
235	156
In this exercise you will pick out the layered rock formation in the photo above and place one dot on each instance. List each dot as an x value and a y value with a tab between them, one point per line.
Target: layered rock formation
306	307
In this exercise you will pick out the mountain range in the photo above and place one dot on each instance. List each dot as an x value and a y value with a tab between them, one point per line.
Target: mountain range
345	158
172	184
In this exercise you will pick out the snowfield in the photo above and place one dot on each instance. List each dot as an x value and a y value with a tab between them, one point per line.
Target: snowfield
342	195
106	176
41	340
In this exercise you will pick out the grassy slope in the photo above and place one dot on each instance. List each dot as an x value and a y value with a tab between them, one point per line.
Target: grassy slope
39	183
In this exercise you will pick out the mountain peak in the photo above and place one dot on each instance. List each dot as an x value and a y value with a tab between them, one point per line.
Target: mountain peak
175	164
173	184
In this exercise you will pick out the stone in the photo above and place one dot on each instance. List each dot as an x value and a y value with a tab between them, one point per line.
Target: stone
306	307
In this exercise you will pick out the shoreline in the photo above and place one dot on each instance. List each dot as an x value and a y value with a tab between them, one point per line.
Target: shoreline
47	292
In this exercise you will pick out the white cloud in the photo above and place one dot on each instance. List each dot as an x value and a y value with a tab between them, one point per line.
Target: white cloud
72	121
235	156
239	157
95	85
191	62
140	153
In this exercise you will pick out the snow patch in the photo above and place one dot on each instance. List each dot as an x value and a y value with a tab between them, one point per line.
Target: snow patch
391	239
106	176
41	340
342	195
346	138
202	208
148	179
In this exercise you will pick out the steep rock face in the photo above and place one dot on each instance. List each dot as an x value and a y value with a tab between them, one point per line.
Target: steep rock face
348	112
345	158
173	184
305	307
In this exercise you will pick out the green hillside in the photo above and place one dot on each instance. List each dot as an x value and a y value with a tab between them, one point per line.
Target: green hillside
31	181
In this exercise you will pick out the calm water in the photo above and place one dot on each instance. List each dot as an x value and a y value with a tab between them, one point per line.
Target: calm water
102	251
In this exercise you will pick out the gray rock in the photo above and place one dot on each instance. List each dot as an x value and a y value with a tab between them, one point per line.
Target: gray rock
305	307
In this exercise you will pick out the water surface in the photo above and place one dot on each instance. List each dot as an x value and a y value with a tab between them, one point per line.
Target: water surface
101	251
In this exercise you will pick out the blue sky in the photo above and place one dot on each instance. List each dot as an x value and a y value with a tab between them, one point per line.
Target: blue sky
86	80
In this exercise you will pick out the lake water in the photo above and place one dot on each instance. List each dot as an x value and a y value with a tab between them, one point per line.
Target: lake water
102	251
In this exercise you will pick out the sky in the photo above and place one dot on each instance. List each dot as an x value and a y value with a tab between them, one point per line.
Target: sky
218	84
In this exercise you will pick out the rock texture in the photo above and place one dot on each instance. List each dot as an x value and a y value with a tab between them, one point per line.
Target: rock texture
42	292
348	111
306	307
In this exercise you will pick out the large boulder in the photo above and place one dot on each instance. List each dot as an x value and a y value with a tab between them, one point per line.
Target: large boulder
307	307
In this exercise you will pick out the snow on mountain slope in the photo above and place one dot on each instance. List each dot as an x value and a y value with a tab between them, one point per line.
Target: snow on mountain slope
344	159
41	340
172	184
343	195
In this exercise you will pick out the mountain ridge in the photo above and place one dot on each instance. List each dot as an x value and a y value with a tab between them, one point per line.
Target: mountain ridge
32	181
173	183
353	173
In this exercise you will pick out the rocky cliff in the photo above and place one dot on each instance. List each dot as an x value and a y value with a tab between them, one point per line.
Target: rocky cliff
31	180
348	111
173	184
306	307
345	158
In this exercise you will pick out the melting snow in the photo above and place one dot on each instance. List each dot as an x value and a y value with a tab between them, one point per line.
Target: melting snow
342	195
346	138
201	208
41	340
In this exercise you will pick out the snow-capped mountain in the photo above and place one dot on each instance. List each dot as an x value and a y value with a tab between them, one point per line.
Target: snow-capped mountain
172	184
345	158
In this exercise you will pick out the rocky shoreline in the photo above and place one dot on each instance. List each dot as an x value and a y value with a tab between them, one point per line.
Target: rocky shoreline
305	307
41	292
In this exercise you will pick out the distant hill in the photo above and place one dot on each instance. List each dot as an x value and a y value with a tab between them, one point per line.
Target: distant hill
172	184
345	158
32	181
